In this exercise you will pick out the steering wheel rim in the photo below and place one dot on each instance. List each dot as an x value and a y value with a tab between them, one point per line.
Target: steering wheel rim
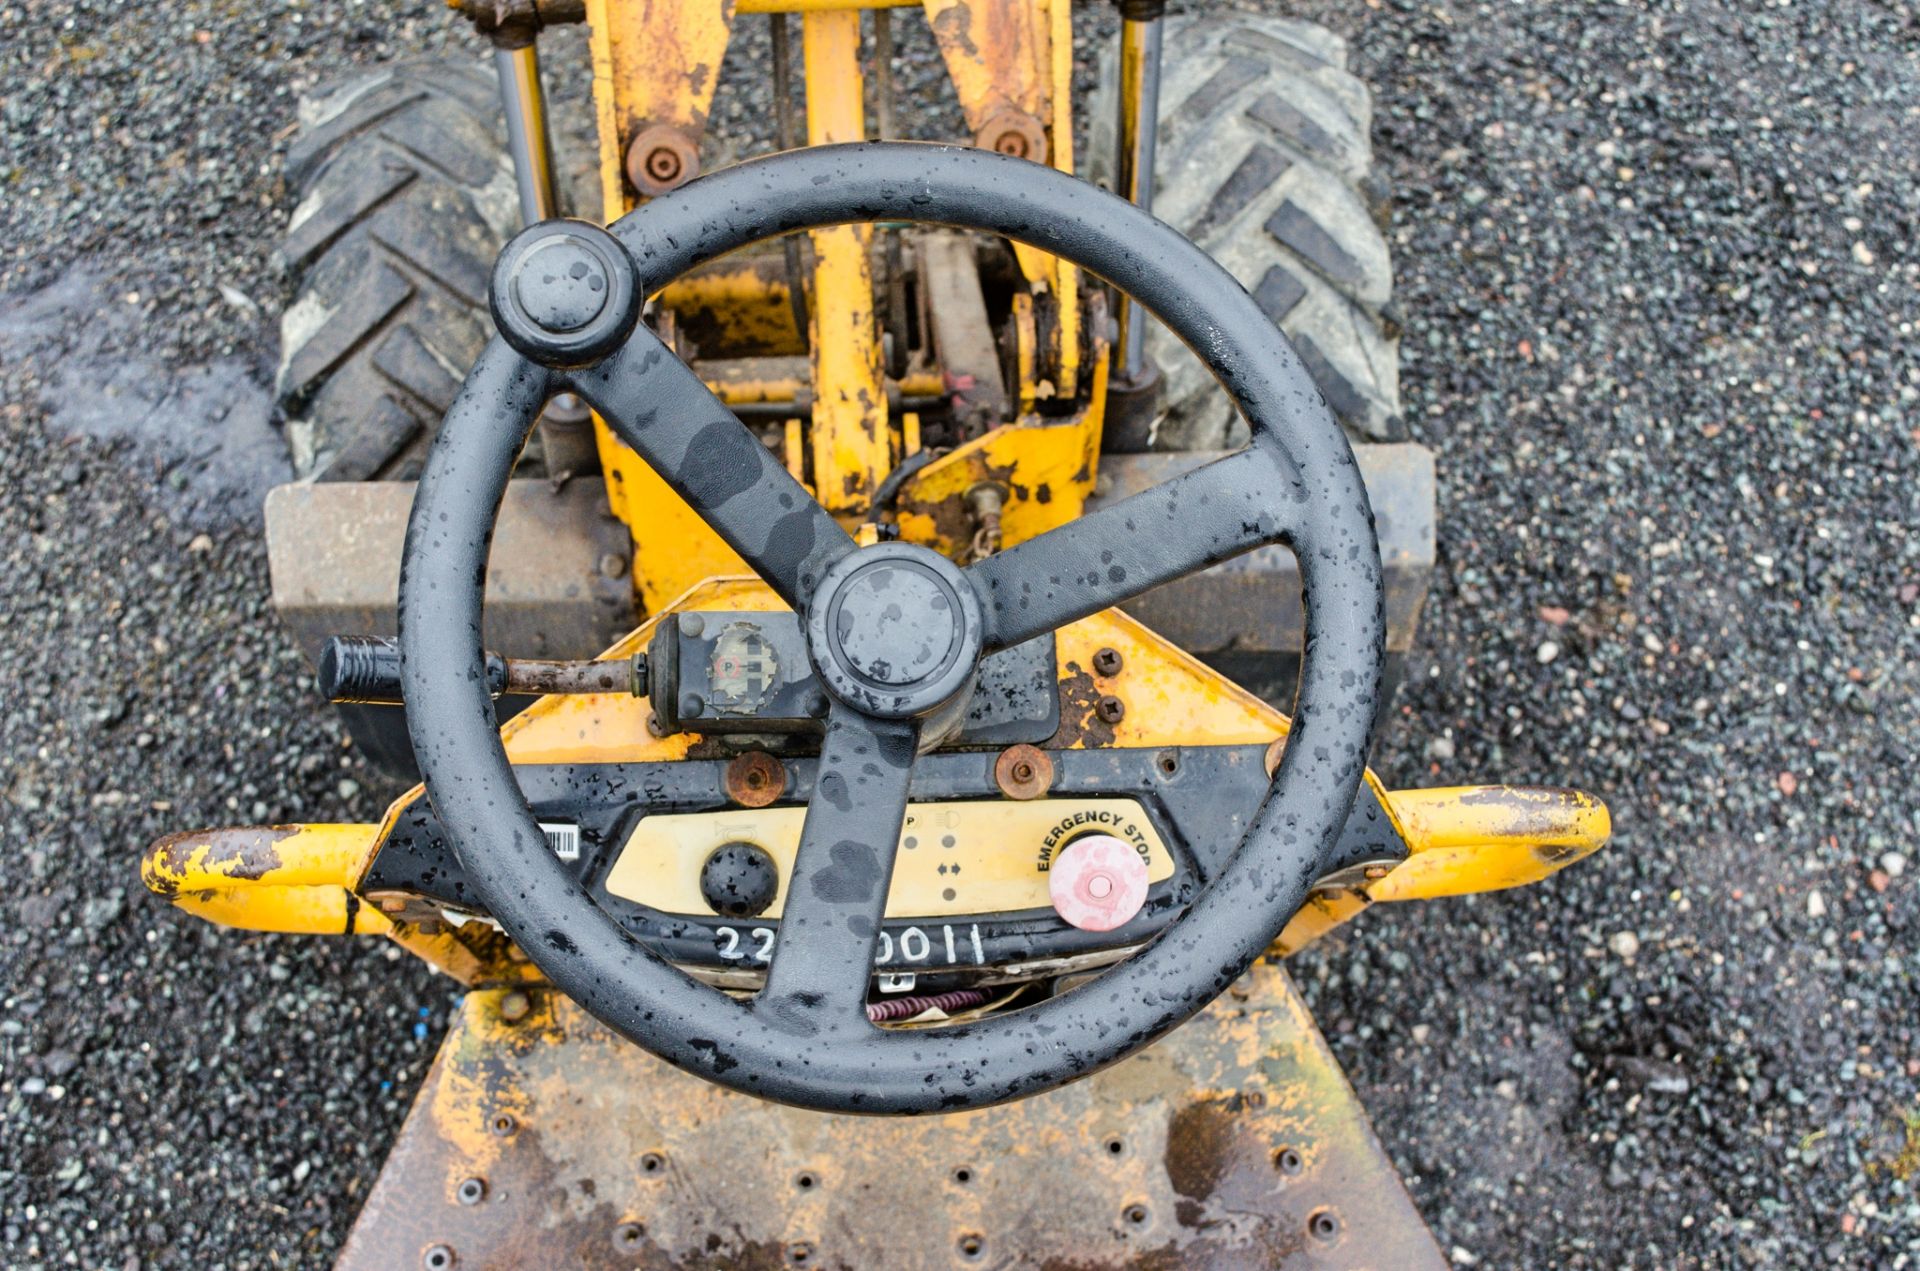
791	1043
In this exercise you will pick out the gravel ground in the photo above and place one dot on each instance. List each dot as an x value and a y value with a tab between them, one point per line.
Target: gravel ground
1658	272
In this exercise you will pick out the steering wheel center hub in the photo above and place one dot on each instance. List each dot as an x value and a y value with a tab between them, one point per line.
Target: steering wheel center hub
895	630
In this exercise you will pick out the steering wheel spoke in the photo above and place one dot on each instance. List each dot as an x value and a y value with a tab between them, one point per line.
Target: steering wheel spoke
1197	519
837	890
659	407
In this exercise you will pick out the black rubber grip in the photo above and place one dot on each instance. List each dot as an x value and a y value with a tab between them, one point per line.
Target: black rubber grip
366	670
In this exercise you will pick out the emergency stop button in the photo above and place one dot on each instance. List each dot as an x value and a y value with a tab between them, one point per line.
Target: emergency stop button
1097	882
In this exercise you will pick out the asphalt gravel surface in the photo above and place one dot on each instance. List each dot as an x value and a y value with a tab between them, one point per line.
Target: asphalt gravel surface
1659	284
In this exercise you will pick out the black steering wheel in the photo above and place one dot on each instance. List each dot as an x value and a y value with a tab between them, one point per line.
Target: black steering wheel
895	631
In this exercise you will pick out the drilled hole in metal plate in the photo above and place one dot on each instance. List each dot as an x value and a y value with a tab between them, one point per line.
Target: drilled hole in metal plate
805	1181
652	1163
503	1125
1169	765
438	1258
471	1191
800	1254
1288	1161
628	1235
963	1176
1116	1145
972	1246
1137	1215
1322	1225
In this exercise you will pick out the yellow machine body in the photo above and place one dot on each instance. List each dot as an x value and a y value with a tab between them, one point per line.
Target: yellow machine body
307	878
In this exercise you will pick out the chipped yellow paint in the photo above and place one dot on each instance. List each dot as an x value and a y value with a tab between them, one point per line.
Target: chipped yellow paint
1463	840
1485	838
1007	847
851	446
999	54
291	878
654	62
1047	467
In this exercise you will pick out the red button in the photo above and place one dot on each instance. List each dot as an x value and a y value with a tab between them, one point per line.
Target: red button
1098	882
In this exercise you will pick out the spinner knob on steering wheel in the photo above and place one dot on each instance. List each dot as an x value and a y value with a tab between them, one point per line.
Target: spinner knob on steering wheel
895	632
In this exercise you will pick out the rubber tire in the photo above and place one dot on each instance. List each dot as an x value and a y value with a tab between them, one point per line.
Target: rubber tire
404	196
1263	159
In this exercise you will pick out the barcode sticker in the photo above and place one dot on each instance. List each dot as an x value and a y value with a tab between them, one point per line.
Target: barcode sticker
563	839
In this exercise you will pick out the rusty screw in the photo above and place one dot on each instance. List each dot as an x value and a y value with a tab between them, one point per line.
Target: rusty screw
1013	132
1111	709
514	1006
1023	772
471	1191
661	158
755	779
1107	662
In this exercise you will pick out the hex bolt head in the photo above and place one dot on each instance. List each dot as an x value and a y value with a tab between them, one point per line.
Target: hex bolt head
1111	709
514	1006
1107	662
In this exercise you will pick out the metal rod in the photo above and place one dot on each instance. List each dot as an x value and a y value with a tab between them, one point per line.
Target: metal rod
366	670
1139	127
882	75
525	107
785	128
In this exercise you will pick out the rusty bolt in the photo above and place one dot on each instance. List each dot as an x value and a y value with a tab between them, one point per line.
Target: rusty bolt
1376	872
1013	132
661	157
755	779
1023	772
514	1006
438	1258
1111	709
471	1191
1107	662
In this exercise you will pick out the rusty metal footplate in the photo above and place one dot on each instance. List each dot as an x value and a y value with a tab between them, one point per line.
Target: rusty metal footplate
549	1142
